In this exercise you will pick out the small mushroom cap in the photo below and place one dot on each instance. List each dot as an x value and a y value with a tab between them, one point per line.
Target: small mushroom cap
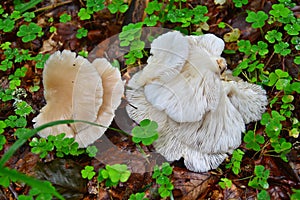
74	89
113	89
63	73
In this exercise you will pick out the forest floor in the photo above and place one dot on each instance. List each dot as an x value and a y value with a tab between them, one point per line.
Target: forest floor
64	173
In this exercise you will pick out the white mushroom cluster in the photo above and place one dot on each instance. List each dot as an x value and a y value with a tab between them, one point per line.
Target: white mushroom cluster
76	89
201	112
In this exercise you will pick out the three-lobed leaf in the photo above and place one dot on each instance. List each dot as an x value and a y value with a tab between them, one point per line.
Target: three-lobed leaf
253	140
117	6
113	174
29	32
273	36
239	3
88	172
257	19
146	132
225	183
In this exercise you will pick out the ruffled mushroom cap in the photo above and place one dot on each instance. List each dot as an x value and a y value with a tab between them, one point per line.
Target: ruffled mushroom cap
206	49
197	74
74	89
168	55
199	115
249	99
113	89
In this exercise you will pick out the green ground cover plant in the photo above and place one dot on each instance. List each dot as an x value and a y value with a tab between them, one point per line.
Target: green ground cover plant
225	183
161	174
113	174
146	132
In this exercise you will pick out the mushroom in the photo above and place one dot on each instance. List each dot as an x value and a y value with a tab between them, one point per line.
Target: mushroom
200	114
182	79
76	89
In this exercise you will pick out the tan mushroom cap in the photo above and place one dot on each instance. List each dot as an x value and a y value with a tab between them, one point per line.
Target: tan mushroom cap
74	89
113	89
200	116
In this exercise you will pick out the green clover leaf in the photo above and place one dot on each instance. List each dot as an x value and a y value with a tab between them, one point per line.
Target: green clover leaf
263	195
152	7
235	162
7	25
160	174
253	141
2	126
273	35
295	195
92	151
282	48
117	6
64	18
151	21
138	196
293	29
280	11
113	174
84	14
296	42
88	172
261	48
82	32
240	3
260	179
29	32
146	132
225	183
28	16
244	46
95	5
257	19
23	109
297	60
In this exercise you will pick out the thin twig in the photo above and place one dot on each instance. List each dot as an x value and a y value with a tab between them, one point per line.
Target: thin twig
269	60
53	6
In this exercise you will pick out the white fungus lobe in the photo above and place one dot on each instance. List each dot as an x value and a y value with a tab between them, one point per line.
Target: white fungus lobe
201	115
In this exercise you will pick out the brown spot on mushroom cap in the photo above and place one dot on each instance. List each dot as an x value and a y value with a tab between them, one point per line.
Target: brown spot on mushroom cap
200	116
74	89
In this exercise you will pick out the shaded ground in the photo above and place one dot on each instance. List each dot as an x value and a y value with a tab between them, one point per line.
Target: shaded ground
188	185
